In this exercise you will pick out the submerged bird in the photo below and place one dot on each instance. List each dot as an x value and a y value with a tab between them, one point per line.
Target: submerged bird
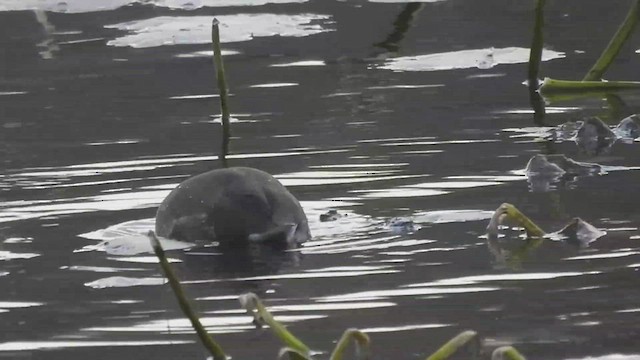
233	206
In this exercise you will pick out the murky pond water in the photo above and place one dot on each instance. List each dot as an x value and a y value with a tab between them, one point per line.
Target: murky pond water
378	109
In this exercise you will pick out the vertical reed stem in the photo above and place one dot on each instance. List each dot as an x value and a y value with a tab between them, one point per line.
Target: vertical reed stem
535	54
224	93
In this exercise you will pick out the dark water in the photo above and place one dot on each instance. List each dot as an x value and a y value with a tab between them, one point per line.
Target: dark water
98	124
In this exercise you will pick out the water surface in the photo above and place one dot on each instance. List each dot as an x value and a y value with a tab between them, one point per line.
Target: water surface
353	105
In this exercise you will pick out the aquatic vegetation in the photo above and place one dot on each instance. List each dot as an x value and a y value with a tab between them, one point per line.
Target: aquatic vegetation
294	348
577	232
544	170
592	81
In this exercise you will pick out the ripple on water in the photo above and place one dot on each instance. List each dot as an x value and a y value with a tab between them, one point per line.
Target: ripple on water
8	255
387	329
82	6
307	274
384	294
49	345
466	59
301	63
129	238
476	279
213	324
178	30
66	6
315	307
123	281
197	4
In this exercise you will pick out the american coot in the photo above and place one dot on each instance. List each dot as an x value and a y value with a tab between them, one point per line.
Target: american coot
233	206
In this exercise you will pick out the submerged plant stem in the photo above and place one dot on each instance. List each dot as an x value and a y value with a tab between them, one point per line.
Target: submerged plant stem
615	45
224	93
214	349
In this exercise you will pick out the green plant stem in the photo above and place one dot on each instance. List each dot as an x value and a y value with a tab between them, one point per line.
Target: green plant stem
507	353
224	93
552	86
615	45
362	344
452	345
214	349
292	354
535	54
251	302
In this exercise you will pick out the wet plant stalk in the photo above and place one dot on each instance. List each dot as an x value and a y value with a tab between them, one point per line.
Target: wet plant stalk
214	349
507	353
452	345
251	302
551	86
615	45
361	341
224	93
535	54
514	214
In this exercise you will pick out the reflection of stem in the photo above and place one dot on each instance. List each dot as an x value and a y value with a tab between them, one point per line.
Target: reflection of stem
535	54
615	45
214	349
401	26
534	232
222	88
616	107
537	104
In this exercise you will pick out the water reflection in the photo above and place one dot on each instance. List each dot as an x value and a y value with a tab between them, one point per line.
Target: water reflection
384	294
62	344
213	324
181	30
465	59
123	281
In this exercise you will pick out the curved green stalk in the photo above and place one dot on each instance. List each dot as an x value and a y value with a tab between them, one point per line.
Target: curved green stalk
553	86
508	211
292	354
224	92
360	339
214	349
452	345
615	45
507	353
251	302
